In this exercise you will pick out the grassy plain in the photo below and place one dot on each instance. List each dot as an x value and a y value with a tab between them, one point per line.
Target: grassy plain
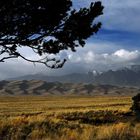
68	118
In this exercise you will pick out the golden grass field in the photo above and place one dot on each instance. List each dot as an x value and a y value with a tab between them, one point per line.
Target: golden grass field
68	118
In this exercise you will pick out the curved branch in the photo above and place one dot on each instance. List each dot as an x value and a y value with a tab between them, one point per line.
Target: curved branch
4	58
58	63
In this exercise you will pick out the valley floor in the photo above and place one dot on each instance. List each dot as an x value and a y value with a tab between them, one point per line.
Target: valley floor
68	118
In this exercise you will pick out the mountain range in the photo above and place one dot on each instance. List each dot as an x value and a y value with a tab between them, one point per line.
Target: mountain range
125	81
122	77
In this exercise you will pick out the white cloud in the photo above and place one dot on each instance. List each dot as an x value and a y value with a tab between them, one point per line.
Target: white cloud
82	61
102	61
89	57
127	55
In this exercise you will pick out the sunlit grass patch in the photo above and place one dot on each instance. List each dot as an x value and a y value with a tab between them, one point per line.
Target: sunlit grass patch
67	118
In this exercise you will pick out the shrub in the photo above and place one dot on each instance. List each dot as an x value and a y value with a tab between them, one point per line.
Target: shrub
136	105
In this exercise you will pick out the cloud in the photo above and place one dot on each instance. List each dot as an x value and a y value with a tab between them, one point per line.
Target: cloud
104	61
90	56
80	62
127	55
98	55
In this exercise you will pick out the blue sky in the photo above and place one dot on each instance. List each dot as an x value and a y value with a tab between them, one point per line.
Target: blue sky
120	23
116	45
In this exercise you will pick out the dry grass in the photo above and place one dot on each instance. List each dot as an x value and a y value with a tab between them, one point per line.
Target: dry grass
67	118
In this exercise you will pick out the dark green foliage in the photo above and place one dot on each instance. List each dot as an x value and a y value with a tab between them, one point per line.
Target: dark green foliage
136	105
46	26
